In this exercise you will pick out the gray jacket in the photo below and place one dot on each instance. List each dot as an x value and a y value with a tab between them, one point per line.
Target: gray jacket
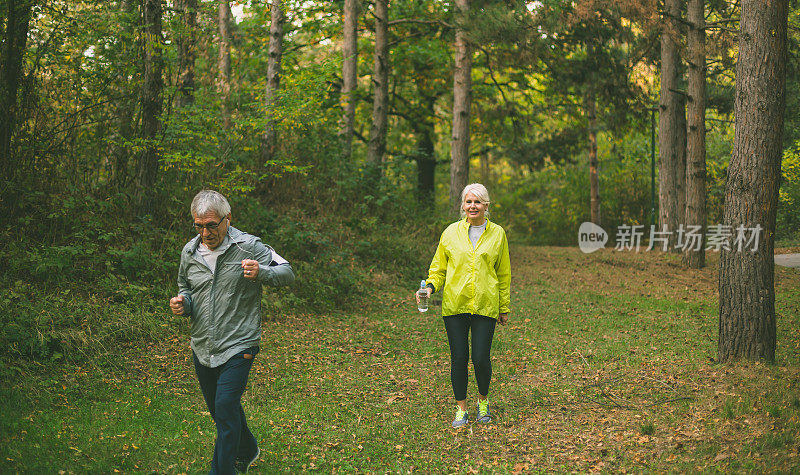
225	308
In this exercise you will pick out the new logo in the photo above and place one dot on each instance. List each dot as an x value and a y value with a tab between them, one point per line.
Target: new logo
591	237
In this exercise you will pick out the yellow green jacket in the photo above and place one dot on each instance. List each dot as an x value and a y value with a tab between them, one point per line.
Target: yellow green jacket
476	281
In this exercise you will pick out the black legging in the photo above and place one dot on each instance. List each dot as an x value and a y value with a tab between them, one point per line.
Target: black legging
458	328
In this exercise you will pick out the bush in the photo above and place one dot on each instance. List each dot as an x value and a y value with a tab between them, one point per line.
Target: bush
49	322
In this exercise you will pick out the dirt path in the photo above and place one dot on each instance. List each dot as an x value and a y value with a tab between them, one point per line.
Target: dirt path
788	260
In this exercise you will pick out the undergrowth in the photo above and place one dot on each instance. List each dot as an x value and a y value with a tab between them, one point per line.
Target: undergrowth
84	279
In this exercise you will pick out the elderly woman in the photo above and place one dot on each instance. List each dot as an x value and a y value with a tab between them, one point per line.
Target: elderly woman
473	266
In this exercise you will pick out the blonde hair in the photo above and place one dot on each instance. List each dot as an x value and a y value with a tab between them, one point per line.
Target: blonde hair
480	192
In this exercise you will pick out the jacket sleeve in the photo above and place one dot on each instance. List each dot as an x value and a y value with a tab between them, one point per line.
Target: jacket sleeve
183	285
272	269
438	268
503	269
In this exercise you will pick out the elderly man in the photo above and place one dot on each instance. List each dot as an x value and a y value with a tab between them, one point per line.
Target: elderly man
219	286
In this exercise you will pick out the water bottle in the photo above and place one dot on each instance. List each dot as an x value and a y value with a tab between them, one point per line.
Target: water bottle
423	297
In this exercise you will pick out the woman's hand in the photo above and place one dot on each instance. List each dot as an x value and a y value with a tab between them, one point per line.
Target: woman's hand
502	318
416	294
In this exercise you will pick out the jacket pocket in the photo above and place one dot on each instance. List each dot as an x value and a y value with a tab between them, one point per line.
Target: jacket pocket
249	353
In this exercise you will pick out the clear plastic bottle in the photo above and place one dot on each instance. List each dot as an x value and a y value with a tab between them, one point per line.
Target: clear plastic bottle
423	297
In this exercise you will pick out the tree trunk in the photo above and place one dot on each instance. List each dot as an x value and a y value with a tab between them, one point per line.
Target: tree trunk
425	157
696	131
122	150
680	166
485	161
270	137
18	16
746	279
669	122
349	74
590	107
224	60
151	107
462	96
426	167
380	80
186	39
132	46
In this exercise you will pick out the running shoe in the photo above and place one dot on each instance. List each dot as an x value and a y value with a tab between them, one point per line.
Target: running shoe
461	418
484	416
244	466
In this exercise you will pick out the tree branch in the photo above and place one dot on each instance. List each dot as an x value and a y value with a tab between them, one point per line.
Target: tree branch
677	91
715	24
360	137
389	45
491	73
425	22
300	46
721	28
483	151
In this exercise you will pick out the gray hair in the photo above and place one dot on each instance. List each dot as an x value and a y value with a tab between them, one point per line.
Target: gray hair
210	200
480	192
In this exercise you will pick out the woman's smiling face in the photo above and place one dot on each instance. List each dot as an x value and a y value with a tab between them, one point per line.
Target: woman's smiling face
474	208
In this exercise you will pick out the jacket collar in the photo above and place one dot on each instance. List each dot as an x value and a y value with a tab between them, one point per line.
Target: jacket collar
233	235
465	224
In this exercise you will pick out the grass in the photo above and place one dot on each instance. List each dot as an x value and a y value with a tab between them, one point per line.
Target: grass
607	365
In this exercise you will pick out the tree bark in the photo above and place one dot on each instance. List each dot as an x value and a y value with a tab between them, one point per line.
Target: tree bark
590	108
746	279
669	122
151	106
132	45
18	16
186	39
485	161
224	59
425	156
680	166
462	98
426	167
696	131
380	80
270	137
349	74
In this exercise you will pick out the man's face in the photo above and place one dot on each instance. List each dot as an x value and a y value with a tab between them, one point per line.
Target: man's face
212	228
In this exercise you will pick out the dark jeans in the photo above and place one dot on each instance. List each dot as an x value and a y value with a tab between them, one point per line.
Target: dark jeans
458	329
222	388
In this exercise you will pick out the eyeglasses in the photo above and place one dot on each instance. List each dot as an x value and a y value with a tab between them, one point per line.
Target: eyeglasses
210	226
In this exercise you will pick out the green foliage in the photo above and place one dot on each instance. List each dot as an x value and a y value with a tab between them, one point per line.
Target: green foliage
67	322
719	145
92	283
788	220
336	255
547	206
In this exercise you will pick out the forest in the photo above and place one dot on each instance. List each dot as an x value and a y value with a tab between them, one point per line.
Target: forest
343	131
